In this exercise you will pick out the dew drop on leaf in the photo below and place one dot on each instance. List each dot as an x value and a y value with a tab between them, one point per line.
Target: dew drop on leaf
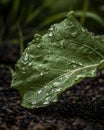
33	103
47	94
23	70
26	57
30	64
58	90
74	65
47	98
79	76
83	30
74	34
50	31
41	73
50	34
66	76
61	78
51	28
49	51
54	100
55	84
46	102
37	38
62	45
38	46
39	91
40	65
80	64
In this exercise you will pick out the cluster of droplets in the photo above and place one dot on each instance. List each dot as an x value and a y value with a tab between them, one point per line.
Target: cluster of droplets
55	31
53	88
50	31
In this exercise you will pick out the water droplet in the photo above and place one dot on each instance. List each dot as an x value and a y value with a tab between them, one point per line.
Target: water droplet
58	90
54	100
50	34
49	51
51	28
33	103
47	94
61	78
81	64
74	34
62	44
47	98
26	57
56	84
37	38
40	65
46	86
39	91
93	72
41	73
23	70
66	76
79	76
74	66
29	64
32	106
83	30
38	46
46	102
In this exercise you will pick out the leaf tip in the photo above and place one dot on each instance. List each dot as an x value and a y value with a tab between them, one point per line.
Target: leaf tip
70	14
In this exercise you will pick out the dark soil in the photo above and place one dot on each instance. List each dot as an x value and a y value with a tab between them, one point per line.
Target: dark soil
81	107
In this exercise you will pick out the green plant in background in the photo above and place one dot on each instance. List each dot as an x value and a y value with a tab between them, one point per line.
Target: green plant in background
51	63
32	16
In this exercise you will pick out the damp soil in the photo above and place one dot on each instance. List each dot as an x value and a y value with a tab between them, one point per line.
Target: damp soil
80	107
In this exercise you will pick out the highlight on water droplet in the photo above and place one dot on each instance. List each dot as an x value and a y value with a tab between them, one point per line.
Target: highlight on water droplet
56	84
58	90
41	73
74	34
33	103
38	46
46	102
50	34
23	70
26	57
83	30
74	66
62	45
30	64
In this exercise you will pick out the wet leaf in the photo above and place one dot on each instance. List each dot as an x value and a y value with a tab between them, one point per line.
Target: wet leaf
51	63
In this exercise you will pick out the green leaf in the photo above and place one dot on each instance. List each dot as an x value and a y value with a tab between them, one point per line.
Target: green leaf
51	63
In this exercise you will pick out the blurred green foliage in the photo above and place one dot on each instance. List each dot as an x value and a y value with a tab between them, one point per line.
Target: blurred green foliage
36	16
